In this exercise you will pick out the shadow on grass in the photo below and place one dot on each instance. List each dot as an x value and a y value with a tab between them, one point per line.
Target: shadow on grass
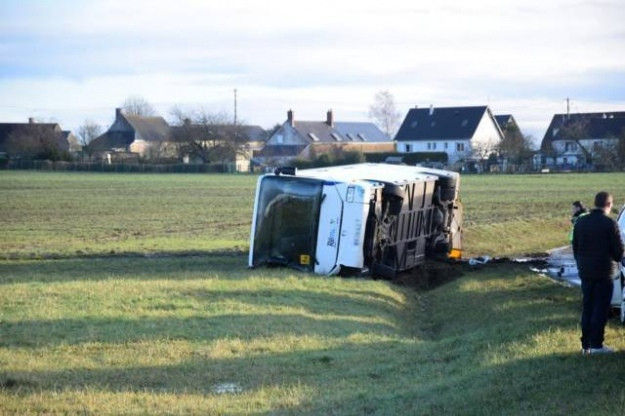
379	378
37	334
140	267
352	303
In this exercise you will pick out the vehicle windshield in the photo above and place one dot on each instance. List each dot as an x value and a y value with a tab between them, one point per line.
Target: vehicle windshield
286	222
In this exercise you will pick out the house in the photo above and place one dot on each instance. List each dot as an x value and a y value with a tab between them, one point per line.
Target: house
464	133
507	122
575	140
133	134
34	139
305	139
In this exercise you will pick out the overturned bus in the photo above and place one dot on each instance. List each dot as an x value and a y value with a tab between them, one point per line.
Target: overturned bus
371	218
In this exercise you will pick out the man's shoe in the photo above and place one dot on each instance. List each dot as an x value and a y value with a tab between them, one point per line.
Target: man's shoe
602	350
585	351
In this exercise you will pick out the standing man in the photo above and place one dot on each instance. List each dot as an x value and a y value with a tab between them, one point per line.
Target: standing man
597	246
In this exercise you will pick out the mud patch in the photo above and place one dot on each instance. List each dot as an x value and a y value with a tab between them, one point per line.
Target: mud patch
431	275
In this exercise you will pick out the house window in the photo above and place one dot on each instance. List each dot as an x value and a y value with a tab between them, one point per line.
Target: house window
279	139
434	146
408	148
446	145
429	146
460	147
570	147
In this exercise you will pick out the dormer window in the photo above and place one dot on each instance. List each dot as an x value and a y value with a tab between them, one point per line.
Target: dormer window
336	137
313	136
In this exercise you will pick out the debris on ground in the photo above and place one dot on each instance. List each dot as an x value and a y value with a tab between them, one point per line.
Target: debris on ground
227	388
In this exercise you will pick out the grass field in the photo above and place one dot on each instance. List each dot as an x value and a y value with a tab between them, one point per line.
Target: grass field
86	329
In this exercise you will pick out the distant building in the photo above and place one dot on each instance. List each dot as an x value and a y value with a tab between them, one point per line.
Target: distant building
573	140
303	139
22	139
464	133
132	134
507	122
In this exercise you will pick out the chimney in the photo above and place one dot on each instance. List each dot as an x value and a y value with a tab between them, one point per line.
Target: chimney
289	118
31	120
330	118
431	110
118	112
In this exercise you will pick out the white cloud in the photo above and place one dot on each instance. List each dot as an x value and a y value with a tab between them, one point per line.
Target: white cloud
75	60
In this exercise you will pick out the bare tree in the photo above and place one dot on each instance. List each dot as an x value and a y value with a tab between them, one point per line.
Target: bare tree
138	106
384	113
577	131
515	146
86	134
211	137
611	155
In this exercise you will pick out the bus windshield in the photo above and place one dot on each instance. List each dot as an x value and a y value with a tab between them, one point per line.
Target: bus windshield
286	222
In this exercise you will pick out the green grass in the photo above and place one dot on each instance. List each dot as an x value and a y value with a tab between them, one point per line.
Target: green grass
90	331
78	213
68	214
518	214
159	335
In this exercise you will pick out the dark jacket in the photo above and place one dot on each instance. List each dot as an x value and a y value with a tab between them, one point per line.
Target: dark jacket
596	245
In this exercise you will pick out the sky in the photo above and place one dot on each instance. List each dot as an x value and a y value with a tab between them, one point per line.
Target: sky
70	61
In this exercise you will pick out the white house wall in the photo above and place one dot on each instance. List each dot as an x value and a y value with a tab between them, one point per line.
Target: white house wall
572	148
434	146
486	136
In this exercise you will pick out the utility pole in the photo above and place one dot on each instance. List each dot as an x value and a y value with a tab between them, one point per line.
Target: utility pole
235	106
